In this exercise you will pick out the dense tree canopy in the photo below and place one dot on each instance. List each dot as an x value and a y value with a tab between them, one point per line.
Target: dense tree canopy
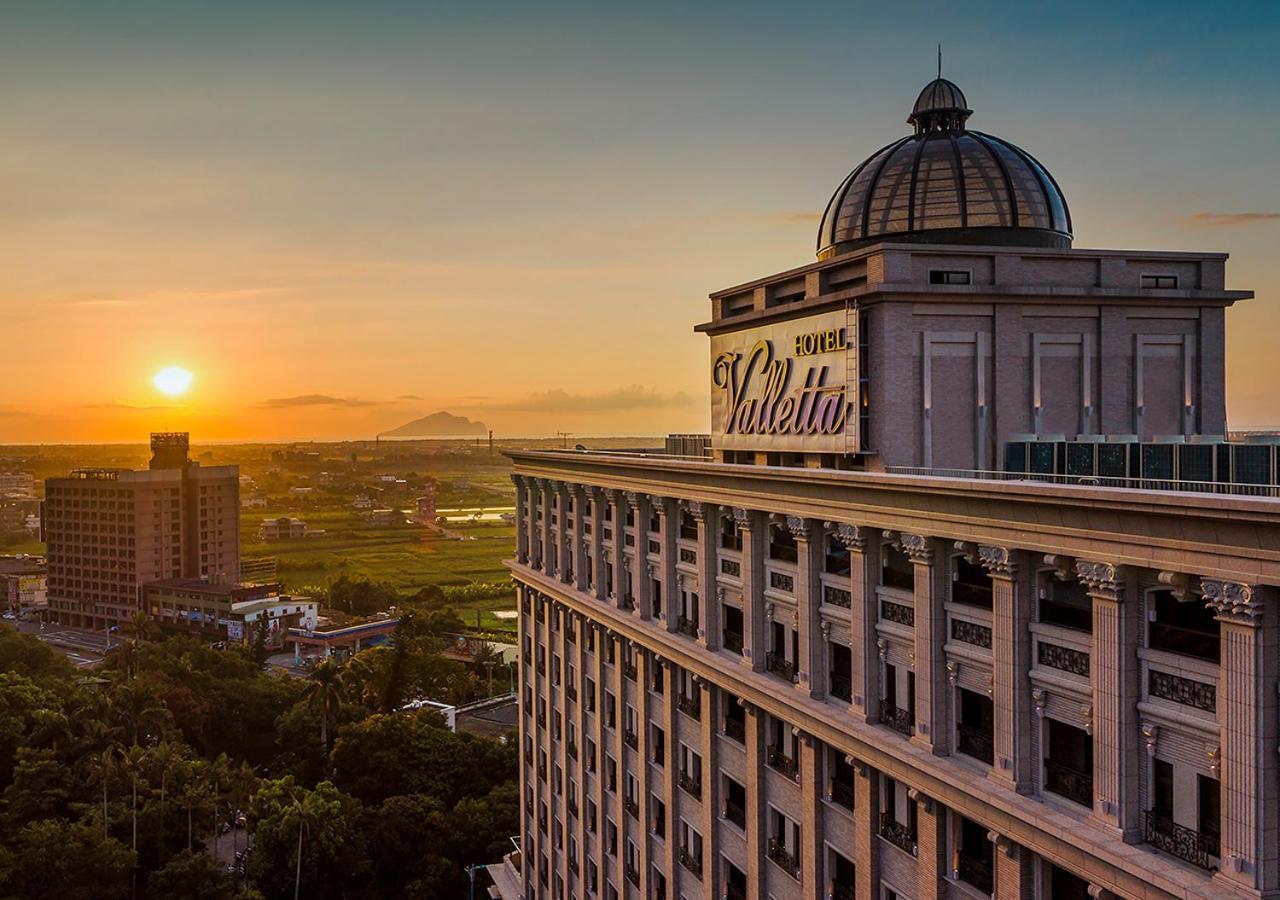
119	784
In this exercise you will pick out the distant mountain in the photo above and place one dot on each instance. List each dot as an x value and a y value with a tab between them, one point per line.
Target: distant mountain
440	424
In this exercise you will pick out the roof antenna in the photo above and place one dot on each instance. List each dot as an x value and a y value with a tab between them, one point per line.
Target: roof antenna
939	61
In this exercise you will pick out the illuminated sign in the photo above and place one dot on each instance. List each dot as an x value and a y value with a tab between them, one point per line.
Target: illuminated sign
789	386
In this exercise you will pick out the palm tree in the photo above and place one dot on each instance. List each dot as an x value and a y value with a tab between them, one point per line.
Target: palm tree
487	656
138	712
325	691
298	809
101	765
164	756
219	778
190	795
142	625
133	761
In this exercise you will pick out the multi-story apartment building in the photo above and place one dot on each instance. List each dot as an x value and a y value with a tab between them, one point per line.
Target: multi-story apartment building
110	531
971	598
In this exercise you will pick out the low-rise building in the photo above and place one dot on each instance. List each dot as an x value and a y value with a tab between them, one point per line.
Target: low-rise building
284	528
228	612
18	485
24	584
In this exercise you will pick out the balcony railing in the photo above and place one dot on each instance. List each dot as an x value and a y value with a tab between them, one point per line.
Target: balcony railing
691	862
633	875
896	718
736	730
735	813
1068	781
975	871
842	687
733	641
691	785
631	739
1177	840
842	891
688	627
780	762
779	665
785	859
632	806
975	742
629	670
901	836
690	706
842	794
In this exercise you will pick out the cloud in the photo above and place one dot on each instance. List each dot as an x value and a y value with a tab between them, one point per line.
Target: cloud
806	216
633	396
119	404
303	400
1215	220
408	397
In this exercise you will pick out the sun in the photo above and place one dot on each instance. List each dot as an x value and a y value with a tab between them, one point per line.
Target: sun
172	380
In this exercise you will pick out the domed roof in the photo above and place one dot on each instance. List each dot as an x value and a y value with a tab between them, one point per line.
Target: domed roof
946	184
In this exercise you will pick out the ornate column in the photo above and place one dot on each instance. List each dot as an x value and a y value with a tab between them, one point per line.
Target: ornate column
1115	680
708	518
930	636
580	545
1010	659
757	824
618	589
1014	869
712	783
812	656
598	581
534	536
639	506
548	532
564	560
1247	717
866	818
863	614
753	619
522	524
931	846
668	526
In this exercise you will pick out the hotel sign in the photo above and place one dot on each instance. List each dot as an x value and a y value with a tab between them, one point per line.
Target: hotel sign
789	386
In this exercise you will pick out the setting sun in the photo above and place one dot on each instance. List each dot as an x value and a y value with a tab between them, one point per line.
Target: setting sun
172	380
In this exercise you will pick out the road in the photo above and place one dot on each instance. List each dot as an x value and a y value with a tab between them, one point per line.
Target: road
84	648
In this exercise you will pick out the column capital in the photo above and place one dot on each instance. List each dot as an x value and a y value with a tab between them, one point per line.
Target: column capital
633	499
918	547
1000	562
1101	579
695	509
743	517
854	537
801	528
1233	601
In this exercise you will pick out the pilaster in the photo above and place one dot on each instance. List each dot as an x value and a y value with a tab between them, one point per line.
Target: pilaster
708	518
753	618
811	660
930	636
1115	682
811	826
1250	839
1014	869
866	816
863	614
549	553
1010	657
931	847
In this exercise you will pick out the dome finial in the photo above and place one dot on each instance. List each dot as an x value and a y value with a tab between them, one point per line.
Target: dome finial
939	61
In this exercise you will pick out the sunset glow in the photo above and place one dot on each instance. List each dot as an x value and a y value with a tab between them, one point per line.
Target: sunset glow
173	380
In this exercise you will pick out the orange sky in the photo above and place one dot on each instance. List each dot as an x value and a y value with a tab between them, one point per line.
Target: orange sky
341	222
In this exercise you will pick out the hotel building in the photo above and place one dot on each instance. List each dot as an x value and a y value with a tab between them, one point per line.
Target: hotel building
110	531
970	598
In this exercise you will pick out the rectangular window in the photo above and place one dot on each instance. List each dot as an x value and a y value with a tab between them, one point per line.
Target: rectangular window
1160	282
949	276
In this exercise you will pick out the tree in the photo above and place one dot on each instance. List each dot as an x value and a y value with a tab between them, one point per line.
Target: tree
133	762
306	842
61	860
163	758
191	876
325	692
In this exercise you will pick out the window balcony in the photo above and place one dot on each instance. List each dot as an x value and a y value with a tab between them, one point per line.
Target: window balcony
780	762
688	627
691	862
842	891
690	706
629	670
976	872
896	718
783	858
842	794
735	813
1070	782
1177	840
733	641
690	785
631	806
779	665
633	875
901	836
975	742
631	739
735	730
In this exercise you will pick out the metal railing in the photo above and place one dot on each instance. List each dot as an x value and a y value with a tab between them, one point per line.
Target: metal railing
779	665
975	742
690	706
784	858
691	862
1161	485
691	785
1185	843
896	718
780	762
735	730
977	872
1068	781
842	794
733	641
893	831
686	626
